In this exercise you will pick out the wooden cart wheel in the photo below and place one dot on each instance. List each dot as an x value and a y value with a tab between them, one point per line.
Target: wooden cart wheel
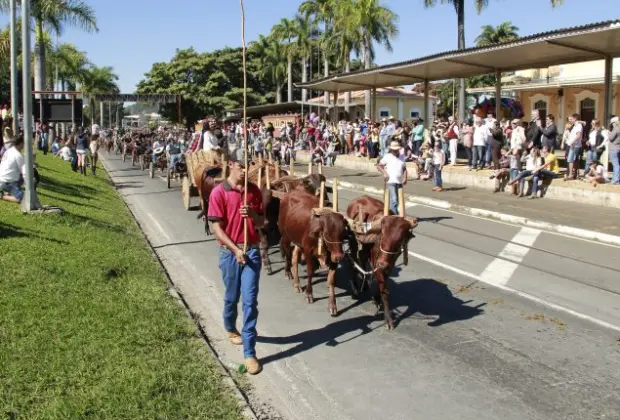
185	192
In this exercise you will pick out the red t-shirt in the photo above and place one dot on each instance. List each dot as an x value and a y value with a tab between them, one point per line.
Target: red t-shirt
224	204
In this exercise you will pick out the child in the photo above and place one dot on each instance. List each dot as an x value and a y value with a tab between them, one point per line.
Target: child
503	172
596	175
439	159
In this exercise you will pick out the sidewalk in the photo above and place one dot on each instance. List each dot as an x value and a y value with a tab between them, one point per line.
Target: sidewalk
570	218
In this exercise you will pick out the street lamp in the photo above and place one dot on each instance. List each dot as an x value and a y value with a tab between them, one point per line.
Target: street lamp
30	201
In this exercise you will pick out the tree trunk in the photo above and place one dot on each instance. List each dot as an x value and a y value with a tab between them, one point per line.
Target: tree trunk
460	13
326	74
39	73
367	63
347	96
289	72
278	93
304	78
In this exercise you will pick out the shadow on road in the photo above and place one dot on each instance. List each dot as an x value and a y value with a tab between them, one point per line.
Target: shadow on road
312	338
128	185
433	219
184	243
430	297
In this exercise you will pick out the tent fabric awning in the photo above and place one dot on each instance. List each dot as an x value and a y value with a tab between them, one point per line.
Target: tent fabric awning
563	46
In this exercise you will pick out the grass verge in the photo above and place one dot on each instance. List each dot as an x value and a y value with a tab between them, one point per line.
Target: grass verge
87	328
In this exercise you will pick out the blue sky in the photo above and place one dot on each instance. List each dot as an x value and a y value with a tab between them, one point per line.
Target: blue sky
134	34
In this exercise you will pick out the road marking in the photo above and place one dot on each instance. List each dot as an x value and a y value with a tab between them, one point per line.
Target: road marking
501	269
159	227
524	295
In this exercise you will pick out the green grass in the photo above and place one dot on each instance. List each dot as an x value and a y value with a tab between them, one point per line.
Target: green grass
87	328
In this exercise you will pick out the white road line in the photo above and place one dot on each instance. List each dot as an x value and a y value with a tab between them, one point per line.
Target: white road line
527	296
500	270
159	227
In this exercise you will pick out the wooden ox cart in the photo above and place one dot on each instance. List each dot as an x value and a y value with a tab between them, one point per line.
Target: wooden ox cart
196	163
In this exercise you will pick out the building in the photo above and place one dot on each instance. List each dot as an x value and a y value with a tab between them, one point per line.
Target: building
562	90
402	104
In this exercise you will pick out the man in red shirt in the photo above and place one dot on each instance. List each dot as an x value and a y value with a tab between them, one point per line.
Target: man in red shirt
240	272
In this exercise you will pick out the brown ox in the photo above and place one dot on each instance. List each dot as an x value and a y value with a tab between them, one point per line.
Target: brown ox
391	236
271	204
301	227
204	179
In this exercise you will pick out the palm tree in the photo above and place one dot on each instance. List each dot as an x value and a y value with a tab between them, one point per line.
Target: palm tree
55	15
376	23
459	7
285	31
347	38
268	52
72	65
503	32
304	33
322	12
98	80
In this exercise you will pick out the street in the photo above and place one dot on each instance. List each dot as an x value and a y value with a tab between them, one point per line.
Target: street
493	321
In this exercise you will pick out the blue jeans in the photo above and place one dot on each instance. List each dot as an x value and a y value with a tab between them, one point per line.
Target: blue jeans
241	282
488	152
542	174
478	160
177	157
417	147
393	193
591	156
445	147
12	188
513	173
614	156
437	181
573	154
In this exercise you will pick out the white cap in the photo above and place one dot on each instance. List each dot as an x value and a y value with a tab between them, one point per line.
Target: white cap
615	120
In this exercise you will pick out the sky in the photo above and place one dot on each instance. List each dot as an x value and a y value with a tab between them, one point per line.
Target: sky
134	34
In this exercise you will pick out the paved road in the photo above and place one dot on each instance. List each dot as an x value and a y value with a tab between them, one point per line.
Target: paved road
462	348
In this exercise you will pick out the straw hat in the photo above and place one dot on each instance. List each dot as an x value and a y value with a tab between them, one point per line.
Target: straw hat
394	145
8	136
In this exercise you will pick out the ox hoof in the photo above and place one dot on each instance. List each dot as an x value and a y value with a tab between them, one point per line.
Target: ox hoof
297	288
310	298
333	311
269	271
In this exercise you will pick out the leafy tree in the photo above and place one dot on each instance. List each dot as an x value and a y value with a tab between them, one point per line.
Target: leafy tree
503	32
209	83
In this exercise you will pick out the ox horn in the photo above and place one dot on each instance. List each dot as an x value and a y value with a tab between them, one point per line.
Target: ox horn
412	221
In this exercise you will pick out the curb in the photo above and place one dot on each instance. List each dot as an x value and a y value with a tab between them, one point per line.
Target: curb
508	218
247	411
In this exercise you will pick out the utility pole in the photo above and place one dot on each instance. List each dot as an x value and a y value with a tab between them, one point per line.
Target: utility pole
31	201
14	82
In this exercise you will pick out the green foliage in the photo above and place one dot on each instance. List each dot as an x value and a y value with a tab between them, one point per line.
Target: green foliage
208	82
88	331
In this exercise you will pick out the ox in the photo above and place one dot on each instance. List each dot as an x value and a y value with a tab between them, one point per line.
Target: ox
271	204
301	226
388	236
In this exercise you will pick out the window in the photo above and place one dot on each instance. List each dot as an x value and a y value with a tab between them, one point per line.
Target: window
384	114
414	114
541	106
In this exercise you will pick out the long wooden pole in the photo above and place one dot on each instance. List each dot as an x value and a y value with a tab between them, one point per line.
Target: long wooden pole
245	131
321	204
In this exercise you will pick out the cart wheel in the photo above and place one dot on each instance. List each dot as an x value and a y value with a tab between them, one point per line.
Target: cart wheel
185	192
168	175
151	170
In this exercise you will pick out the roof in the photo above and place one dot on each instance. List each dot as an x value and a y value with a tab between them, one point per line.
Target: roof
260	110
389	92
561	46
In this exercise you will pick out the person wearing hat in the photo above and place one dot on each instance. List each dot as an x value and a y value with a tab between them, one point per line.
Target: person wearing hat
394	171
240	271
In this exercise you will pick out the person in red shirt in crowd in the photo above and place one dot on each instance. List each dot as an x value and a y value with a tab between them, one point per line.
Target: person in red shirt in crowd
240	272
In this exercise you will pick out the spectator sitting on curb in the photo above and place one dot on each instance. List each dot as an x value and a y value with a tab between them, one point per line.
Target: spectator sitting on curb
503	173
12	172
596	174
548	171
